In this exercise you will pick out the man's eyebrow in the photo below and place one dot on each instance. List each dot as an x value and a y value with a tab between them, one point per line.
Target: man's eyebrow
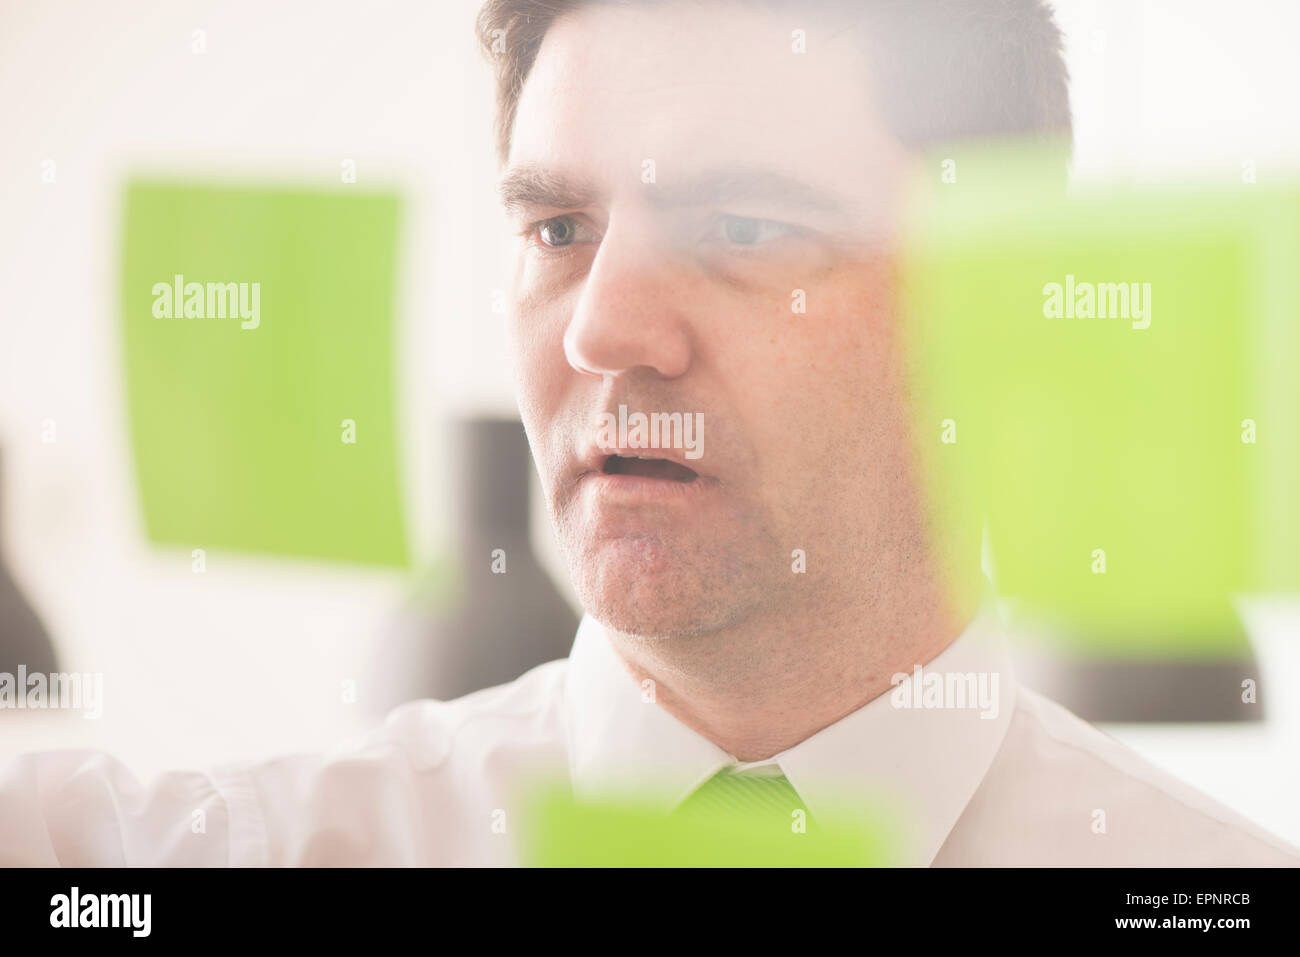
535	187
525	187
739	184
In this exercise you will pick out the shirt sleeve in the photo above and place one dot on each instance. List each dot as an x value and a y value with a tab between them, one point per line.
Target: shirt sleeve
86	809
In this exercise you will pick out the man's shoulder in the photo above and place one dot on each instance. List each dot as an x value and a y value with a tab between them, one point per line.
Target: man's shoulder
520	714
1061	791
416	789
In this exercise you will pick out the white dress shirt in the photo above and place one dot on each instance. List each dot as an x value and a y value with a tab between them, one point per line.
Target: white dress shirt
1011	780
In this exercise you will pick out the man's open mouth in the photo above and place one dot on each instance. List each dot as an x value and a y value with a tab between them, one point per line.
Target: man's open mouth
649	468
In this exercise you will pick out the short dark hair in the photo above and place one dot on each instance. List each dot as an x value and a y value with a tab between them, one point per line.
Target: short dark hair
944	70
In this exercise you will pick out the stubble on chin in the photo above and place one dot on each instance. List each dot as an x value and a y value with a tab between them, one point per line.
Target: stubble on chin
654	587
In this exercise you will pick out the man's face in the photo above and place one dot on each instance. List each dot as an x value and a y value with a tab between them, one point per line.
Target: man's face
683	182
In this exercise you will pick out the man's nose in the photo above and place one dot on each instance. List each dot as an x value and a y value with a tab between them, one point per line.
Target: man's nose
629	315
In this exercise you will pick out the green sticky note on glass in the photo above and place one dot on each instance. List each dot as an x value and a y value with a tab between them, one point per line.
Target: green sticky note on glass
1115	367
564	832
258	343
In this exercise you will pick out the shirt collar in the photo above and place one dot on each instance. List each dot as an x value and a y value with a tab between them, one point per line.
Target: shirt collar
898	749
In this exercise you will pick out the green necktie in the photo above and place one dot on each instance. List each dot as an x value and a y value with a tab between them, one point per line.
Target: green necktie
752	797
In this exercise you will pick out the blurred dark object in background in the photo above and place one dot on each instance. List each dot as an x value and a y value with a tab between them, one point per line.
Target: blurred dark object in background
23	639
1103	688
490	612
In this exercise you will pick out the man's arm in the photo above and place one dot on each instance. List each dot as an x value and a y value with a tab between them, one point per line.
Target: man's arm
369	801
86	809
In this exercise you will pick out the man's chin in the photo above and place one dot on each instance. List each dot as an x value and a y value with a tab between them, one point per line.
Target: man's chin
657	624
642	588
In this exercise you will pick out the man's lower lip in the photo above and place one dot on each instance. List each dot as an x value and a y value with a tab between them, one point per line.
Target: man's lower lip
638	487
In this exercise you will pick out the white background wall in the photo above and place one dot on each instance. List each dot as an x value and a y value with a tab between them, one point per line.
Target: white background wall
247	660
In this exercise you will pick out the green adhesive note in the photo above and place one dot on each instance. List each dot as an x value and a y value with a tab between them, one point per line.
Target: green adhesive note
564	832
1109	377
259	361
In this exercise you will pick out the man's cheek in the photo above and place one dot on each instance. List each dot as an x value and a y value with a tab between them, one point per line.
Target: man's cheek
537	403
538	338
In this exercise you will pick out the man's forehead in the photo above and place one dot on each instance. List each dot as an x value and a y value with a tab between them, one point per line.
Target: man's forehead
712	95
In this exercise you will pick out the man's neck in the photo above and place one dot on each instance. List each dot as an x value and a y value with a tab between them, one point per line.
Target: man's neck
762	687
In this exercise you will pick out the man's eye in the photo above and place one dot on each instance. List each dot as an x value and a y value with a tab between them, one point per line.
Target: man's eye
560	231
743	231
